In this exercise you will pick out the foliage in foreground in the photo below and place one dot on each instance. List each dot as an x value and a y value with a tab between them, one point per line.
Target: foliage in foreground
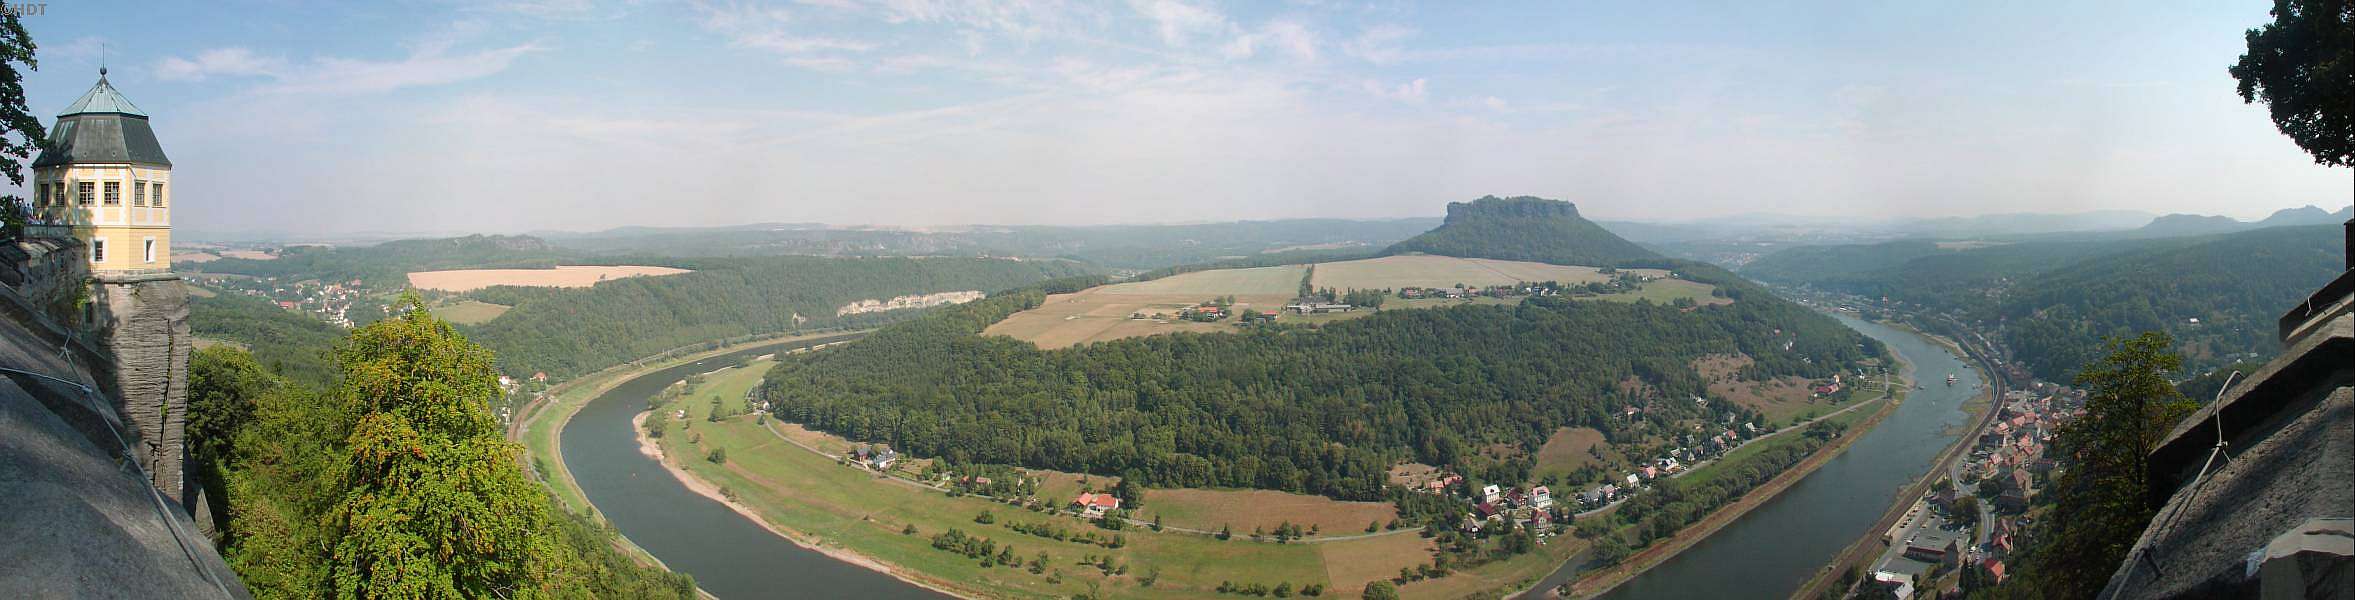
2097	498
395	483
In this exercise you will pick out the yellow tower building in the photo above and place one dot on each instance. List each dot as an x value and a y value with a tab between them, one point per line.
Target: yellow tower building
104	176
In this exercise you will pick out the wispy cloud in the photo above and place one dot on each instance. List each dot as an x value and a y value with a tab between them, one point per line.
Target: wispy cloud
219	62
1412	92
428	65
1180	23
1380	44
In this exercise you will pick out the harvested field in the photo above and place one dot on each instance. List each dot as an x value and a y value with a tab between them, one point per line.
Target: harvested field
470	312
466	280
1664	290
1350	565
1569	449
1412	474
1423	270
1245	509
819	440
194	257
1103	312
1779	399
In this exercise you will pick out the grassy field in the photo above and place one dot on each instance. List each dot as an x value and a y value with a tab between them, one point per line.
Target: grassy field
1245	510
819	501
466	280
470	312
1423	270
1665	290
1103	312
1567	450
1257	281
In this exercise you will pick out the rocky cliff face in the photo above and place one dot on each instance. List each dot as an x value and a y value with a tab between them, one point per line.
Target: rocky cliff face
1517	207
144	327
80	423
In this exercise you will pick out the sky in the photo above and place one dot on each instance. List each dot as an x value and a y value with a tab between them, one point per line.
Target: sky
510	116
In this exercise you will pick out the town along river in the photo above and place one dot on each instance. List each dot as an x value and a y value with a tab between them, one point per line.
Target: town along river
730	556
1772	550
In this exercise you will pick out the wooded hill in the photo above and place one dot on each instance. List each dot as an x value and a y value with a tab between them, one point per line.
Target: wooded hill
1138	247
1323	409
387	265
573	331
2055	300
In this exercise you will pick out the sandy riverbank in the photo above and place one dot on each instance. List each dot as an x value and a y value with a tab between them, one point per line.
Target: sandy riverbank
653	449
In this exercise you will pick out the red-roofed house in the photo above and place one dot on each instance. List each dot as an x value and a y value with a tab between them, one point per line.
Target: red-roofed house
1095	505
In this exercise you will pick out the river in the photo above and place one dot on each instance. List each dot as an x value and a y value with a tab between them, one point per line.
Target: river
730	556
1774	549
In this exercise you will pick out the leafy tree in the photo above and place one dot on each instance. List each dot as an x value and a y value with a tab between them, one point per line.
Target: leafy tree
2302	65
432	502
292	460
1381	590
2098	499
20	132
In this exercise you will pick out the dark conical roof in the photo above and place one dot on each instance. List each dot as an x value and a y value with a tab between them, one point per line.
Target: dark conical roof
102	127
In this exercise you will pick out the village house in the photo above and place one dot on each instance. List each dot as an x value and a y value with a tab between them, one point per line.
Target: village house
879	458
1541	498
1093	505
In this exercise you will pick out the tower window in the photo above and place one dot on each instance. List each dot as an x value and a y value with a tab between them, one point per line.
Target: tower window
40	196
150	249
158	199
138	193
83	192
97	250
114	193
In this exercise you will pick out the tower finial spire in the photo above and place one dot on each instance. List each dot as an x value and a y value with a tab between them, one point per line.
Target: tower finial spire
102	60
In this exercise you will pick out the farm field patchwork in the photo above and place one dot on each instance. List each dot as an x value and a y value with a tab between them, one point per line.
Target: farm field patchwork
1103	312
821	501
1425	270
467	280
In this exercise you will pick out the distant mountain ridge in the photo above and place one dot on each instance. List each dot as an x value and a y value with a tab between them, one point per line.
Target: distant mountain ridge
1523	228
2185	224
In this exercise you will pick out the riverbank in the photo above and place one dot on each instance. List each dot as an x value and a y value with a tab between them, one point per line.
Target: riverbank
540	423
1597	583
653	450
1871	543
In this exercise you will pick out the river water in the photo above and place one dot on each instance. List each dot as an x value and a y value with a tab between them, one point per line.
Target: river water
729	555
1767	553
1774	549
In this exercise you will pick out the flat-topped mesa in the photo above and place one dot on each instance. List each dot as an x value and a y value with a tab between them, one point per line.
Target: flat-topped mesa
1529	207
1523	228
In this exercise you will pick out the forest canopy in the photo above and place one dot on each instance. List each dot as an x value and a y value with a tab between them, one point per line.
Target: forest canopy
1322	410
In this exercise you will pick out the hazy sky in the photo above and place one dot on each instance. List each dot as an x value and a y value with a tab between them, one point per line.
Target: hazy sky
481	116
